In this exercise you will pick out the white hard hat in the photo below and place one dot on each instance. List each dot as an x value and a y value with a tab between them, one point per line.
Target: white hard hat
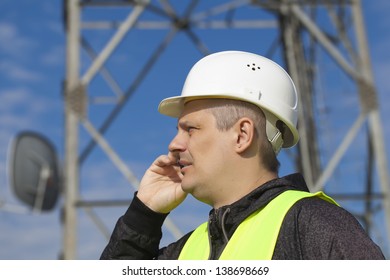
247	77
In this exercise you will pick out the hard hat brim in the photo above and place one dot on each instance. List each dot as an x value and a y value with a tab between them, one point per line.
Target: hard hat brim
173	106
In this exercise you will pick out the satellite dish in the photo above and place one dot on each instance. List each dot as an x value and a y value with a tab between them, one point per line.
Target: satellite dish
34	171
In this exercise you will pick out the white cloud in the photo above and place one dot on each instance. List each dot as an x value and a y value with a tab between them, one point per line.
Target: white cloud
56	27
42	231
15	72
32	102
13	43
55	56
11	97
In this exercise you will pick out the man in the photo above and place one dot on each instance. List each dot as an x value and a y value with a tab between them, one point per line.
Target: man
236	111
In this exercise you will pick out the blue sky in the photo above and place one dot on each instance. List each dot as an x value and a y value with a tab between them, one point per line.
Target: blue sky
32	67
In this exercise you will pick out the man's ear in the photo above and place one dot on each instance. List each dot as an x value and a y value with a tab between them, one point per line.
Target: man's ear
245	132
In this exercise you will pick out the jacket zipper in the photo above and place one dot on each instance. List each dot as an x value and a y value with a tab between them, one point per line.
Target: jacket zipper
210	237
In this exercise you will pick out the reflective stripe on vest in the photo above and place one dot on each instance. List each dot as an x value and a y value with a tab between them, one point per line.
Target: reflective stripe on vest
255	237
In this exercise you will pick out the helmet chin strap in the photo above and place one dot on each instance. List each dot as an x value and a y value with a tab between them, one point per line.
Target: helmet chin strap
275	137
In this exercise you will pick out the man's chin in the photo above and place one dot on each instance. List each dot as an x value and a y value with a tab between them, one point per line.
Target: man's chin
186	187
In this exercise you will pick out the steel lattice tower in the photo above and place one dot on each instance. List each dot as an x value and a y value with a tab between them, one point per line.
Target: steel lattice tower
316	40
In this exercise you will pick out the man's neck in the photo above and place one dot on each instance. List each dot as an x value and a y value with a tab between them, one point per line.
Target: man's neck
241	185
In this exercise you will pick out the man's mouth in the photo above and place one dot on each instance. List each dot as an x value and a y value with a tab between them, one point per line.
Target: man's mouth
183	164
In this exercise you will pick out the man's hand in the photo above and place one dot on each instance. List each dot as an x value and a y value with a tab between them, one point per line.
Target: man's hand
160	188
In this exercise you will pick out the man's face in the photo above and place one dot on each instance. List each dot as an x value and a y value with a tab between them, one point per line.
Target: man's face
203	151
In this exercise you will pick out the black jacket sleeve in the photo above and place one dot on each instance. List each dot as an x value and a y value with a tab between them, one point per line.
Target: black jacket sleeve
136	235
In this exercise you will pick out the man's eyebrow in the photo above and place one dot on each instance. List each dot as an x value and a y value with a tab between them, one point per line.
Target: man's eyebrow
183	123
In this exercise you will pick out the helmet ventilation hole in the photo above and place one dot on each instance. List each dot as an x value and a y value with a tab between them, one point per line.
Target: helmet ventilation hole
253	66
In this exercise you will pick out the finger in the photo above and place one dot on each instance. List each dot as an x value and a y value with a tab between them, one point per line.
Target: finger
174	157
162	161
166	160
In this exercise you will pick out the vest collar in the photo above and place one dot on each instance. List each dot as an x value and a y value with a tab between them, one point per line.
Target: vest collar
225	220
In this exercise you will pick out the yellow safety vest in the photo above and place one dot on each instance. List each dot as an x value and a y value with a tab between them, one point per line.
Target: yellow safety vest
255	237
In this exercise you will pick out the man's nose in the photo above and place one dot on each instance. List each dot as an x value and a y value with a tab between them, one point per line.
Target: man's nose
177	144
